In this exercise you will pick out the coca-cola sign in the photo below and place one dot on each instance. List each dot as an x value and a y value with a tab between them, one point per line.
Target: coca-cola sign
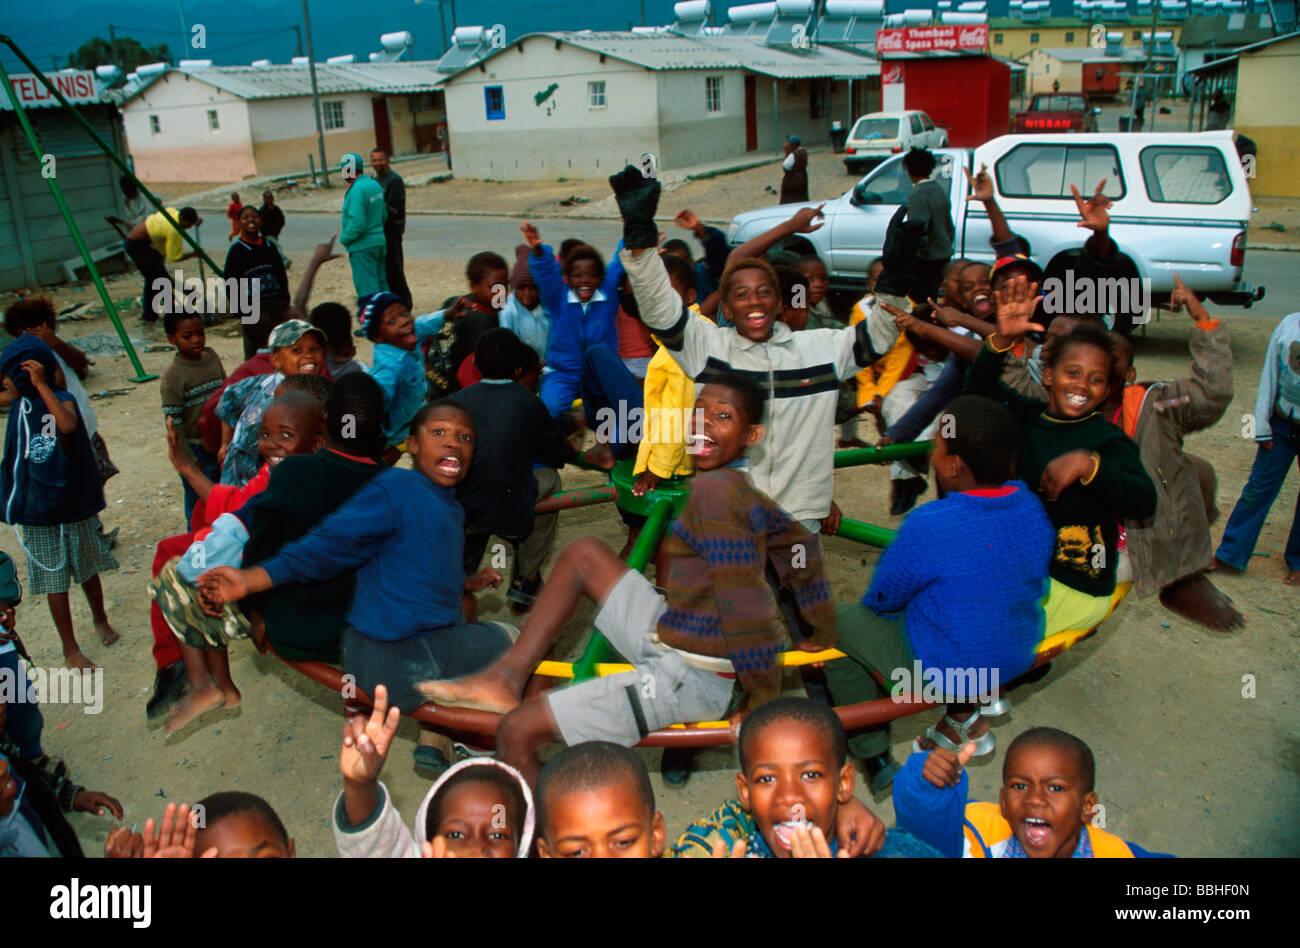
924	39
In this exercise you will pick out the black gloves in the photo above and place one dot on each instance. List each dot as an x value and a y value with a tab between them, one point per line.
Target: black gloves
638	199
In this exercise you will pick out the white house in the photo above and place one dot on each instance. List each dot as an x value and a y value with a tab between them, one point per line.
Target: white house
585	104
223	123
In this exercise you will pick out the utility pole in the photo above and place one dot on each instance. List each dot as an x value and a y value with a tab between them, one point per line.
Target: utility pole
442	28
112	47
453	16
185	33
643	12
315	97
1146	70
298	30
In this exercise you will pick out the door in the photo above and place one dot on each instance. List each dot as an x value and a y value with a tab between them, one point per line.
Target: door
383	130
862	216
751	113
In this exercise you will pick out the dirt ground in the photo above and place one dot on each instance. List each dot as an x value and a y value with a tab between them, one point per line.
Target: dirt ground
1186	764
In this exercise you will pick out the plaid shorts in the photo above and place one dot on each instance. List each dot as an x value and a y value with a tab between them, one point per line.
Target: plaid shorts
178	602
65	553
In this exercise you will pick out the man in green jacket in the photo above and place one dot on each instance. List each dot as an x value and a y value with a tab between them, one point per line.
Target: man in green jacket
362	236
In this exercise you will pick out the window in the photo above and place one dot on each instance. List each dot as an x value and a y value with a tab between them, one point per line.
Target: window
214	123
713	93
494	99
997	39
871	128
926	123
888	184
1137	34
1069	37
1033	37
1047	171
816	100
154	125
331	114
1185	174
596	94
917	127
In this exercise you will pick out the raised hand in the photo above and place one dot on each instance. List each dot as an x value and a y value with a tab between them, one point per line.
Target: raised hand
943	768
175	840
859	831
123	844
325	251
811	844
366	740
981	185
1093	212
1016	299
1183	297
35	371
638	199
531	237
947	315
808	219
687	220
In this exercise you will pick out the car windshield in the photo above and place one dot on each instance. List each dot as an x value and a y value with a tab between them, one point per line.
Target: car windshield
1059	103
868	128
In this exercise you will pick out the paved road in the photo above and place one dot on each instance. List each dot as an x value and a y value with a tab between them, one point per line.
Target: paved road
430	237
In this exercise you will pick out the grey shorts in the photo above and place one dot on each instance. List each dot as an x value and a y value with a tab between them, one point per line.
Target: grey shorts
662	689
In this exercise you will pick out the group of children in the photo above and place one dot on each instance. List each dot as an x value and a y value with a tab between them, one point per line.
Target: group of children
302	534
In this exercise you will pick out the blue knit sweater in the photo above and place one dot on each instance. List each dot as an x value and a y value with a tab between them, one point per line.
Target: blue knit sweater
970	573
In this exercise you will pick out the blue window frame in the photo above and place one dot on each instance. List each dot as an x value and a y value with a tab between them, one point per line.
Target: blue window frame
494	97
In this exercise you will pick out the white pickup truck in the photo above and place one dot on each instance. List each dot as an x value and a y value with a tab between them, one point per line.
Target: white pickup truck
1181	205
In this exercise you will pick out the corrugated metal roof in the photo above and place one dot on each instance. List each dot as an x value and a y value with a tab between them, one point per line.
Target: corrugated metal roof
1084	54
665	51
1216	30
285	81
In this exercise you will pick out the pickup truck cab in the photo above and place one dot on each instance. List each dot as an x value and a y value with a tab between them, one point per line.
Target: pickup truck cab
879	135
1057	112
1181	205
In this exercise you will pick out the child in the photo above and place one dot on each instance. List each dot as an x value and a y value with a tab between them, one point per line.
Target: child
1277	429
478	808
794	466
31	825
305	621
818	281
257	262
292	425
937	597
716	617
387	322
519	449
524	314
334	320
795	792
1088	473
582	300
1046	803
232	211
51	487
194	374
296	346
231	824
1172	553
594	801
478	310
403	533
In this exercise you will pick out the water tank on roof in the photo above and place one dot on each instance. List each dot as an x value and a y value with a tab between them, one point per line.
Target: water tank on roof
468	35
749	12
395	41
260	62
194	63
151	69
973	6
962	19
108	73
299	61
847	8
341	60
794	7
690	10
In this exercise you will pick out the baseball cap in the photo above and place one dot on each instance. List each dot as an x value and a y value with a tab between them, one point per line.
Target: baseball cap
352	162
289	332
1019	261
11	592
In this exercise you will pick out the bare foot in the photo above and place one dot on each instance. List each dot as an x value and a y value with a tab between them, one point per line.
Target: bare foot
107	634
1220	566
1195	598
232	696
1292	577
600	455
195	704
77	660
486	691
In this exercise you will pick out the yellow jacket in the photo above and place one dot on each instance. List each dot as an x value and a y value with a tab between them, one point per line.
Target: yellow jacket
881	377
669	400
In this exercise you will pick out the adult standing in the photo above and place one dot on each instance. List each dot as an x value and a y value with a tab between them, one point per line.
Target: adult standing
395	204
1140	107
363	227
149	243
254	258
794	183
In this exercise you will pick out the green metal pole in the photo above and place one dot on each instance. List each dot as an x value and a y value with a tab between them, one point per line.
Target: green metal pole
656	523
108	150
73	229
867	533
890	452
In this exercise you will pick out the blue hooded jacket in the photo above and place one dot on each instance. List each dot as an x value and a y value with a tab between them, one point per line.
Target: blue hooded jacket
47	478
